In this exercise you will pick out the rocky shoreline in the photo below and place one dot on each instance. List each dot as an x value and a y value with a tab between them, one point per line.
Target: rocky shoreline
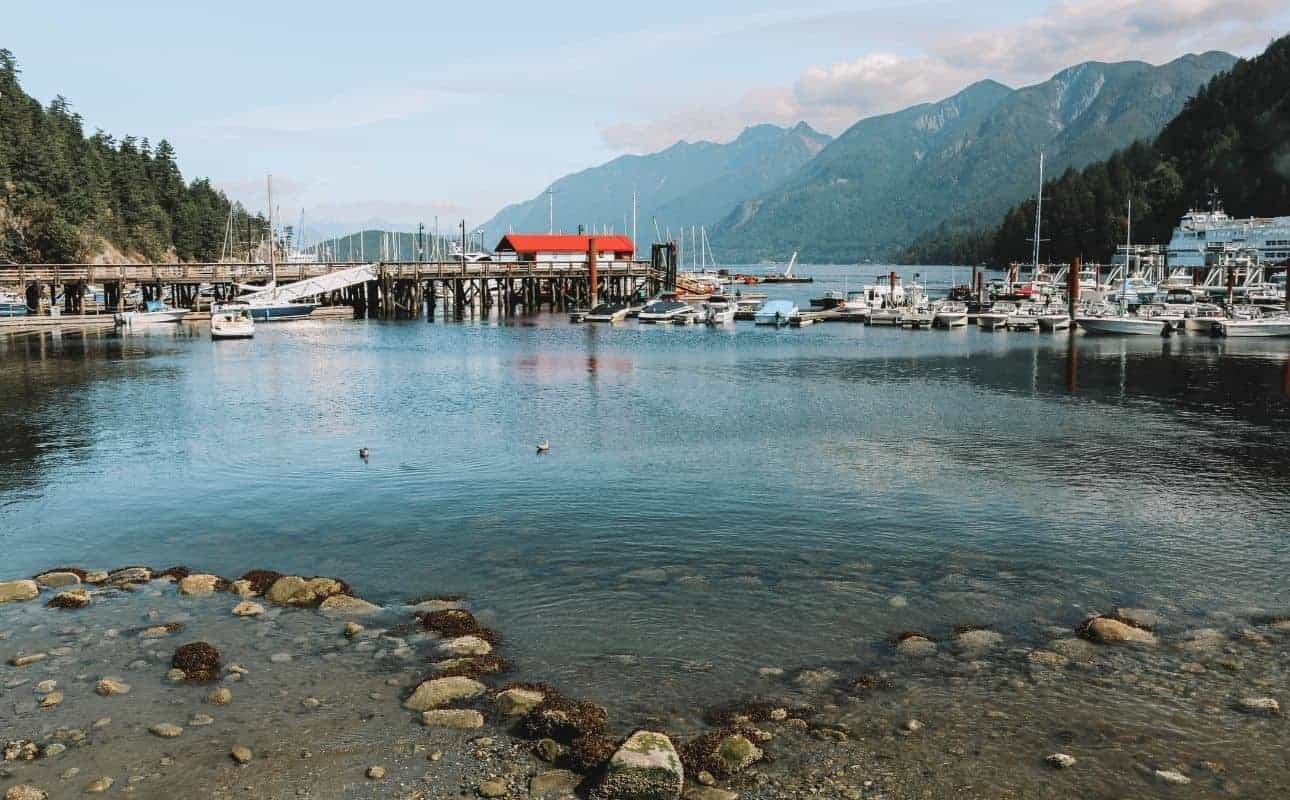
180	683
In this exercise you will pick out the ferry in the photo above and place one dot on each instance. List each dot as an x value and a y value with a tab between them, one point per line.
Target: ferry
1202	233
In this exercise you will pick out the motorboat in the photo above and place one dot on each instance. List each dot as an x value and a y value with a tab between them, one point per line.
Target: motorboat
665	309
1024	318
916	317
856	304
607	312
153	312
996	317
1172	317
232	321
1270	325
1054	319
719	310
776	312
1102	320
950	315
11	305
831	300
1202	316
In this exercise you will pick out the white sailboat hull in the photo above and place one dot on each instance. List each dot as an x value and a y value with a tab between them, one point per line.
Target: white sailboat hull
1122	325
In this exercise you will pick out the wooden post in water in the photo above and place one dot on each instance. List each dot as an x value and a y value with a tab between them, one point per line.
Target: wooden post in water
593	278
1072	288
1231	284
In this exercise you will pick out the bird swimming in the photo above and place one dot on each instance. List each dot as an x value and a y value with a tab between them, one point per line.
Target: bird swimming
363	453
544	446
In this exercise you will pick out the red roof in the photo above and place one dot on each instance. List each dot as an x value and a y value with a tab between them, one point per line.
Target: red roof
564	243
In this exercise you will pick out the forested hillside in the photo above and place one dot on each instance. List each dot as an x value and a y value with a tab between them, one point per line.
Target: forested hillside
65	196
1232	139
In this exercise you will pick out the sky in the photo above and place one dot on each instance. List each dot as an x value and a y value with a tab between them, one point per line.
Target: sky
391	113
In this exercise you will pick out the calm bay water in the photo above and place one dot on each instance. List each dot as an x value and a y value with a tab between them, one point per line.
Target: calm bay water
714	500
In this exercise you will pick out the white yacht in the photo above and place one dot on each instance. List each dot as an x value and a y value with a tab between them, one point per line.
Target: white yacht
719	310
1054	319
1105	319
667	308
1267	325
1202	316
950	315
1025	318
232	321
776	312
996	317
857	304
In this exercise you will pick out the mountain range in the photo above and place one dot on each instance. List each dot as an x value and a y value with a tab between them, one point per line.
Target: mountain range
689	183
887	180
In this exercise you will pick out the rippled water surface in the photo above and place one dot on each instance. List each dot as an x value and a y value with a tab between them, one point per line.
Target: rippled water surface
714	500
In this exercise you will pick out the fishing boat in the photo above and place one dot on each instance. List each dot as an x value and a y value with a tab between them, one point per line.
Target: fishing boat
1271	325
857	305
11	305
1122	324
916	316
608	312
1025	318
665	309
832	299
776	312
719	310
951	315
1202	316
232	321
154	312
996	316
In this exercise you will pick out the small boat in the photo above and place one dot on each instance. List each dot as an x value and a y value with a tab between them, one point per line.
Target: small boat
916	317
1054	320
950	315
776	312
1129	324
719	310
1025	318
11	305
831	299
281	311
154	312
857	305
1276	325
232	321
665	309
608	312
996	317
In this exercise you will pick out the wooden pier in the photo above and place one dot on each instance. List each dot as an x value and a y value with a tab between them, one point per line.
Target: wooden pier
399	288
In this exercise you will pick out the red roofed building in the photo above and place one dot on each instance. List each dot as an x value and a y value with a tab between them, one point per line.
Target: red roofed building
569	248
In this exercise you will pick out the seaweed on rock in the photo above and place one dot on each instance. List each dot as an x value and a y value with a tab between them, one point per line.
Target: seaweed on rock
588	755
261	579
559	718
475	667
177	573
455	622
198	661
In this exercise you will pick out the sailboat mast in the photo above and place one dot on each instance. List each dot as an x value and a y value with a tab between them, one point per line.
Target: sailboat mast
1039	213
1128	243
273	261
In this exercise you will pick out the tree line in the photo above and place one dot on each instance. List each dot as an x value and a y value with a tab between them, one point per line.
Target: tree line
1231	141
64	194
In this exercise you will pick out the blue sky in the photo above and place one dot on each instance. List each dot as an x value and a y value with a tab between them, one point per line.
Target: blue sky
393	112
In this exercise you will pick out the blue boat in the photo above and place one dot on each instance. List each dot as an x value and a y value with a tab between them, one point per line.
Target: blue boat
280	312
776	312
11	305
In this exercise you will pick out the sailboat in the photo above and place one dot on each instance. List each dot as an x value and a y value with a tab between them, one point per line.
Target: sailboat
268	307
1123	322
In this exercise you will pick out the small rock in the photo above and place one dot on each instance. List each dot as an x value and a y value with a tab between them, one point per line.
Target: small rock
52	699
978	639
292	590
1259	705
101	723
248	608
352	629
96	576
455	718
1060	761
72	598
436	755
770	672
1139	616
25	791
280	658
111	686
24	659
345	605
376	772
220	697
198	585
165	730
53	749
311	702
243	588
241	754
549	750
69	773
916	646
1105	630
1047	658
130	575
156	632
706	778
201	720
556	783
99	785
912	726
493	787
1172	776
45	687
517	702
713	793
736	753
58	579
18	591
175	675
237	669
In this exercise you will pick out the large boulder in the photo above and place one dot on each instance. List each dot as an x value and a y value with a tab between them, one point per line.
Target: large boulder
199	584
72	598
442	691
735	753
342	605
1109	630
129	575
198	661
293	590
517	702
17	591
58	578
646	767
465	646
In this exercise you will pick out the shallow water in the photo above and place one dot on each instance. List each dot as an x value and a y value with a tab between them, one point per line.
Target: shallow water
714	501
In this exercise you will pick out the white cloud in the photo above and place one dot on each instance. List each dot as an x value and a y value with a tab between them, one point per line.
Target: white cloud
832	97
